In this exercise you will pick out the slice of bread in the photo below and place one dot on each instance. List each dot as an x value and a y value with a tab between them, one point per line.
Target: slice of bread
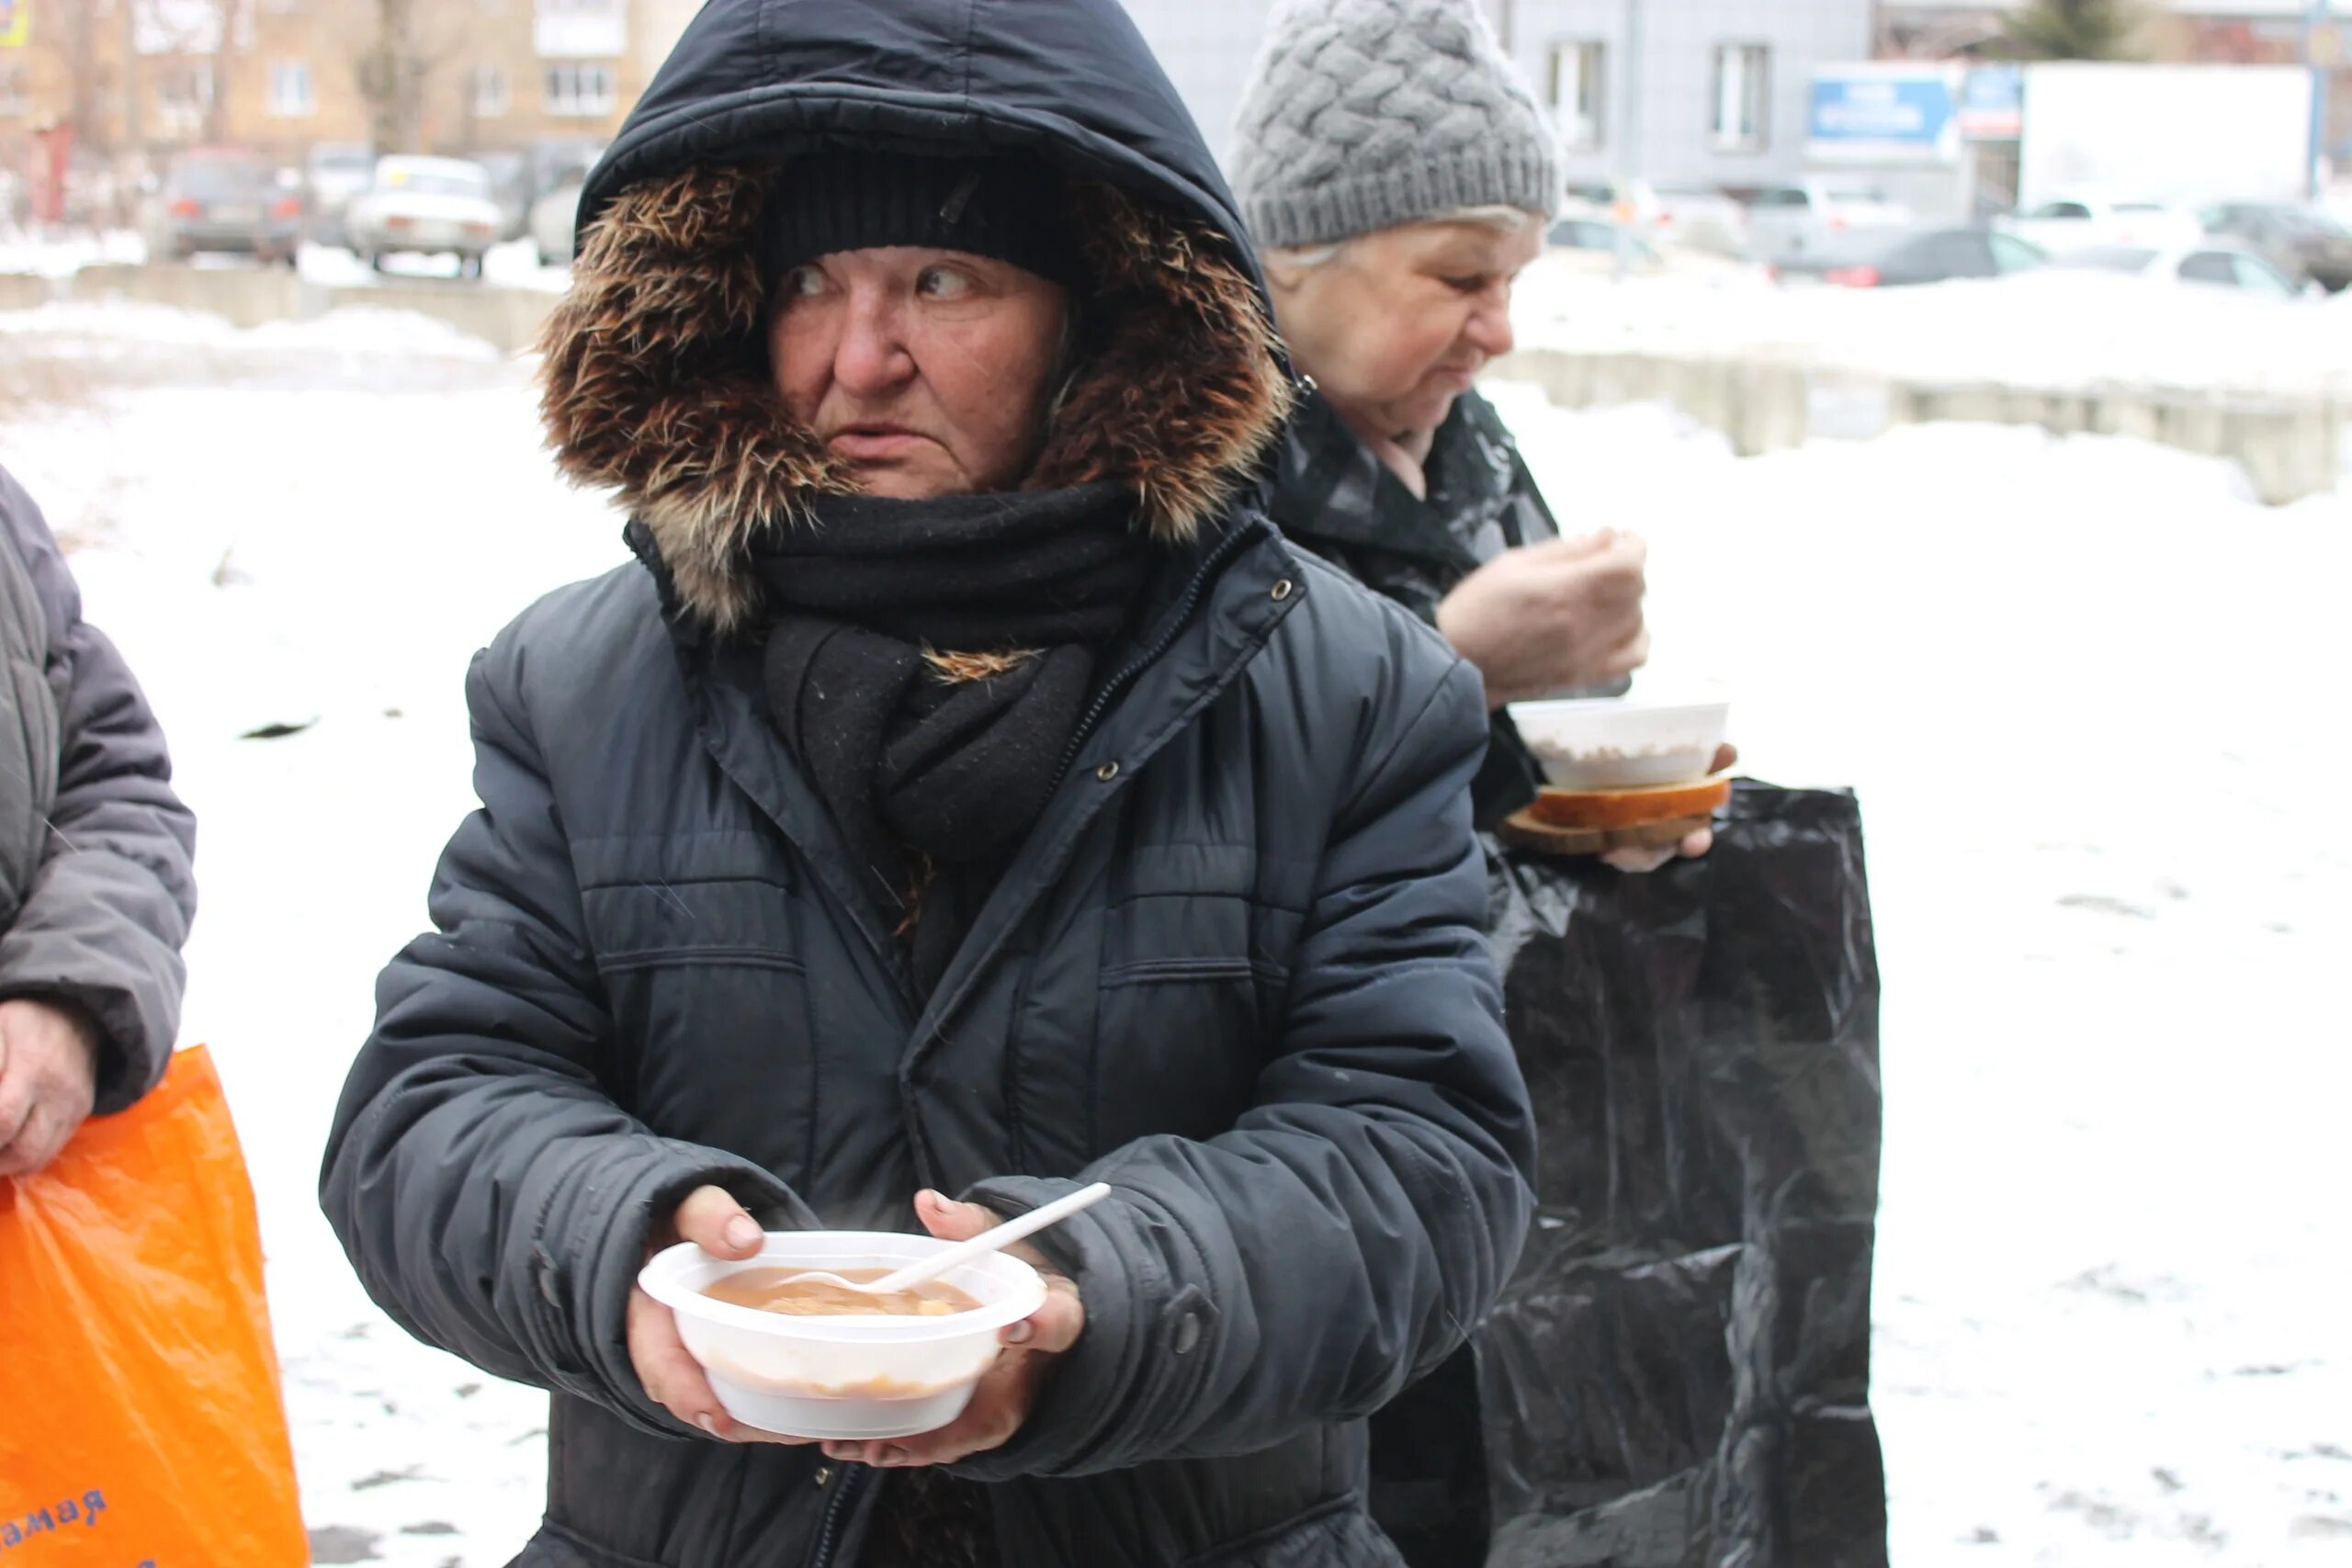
1604	808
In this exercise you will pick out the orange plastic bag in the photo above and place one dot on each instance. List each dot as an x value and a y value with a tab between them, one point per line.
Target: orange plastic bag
141	1425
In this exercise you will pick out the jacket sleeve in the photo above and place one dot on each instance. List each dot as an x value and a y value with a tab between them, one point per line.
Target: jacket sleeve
1360	1218
109	908
492	1197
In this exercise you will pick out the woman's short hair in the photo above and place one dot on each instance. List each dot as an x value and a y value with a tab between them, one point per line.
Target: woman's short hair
1501	218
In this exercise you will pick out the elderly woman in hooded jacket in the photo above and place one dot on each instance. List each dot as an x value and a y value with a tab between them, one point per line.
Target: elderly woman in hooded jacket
968	796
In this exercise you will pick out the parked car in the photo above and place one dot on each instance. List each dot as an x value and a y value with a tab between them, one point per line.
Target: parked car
2214	263
1889	258
1676	212
512	186
1631	202
1599	236
1597	247
225	199
1785	219
2310	245
431	206
1702	217
552	217
2071	222
557	160
335	172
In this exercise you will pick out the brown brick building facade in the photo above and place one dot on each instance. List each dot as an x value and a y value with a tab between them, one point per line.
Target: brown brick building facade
137	79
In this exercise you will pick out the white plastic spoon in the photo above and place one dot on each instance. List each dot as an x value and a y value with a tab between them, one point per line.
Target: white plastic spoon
963	1252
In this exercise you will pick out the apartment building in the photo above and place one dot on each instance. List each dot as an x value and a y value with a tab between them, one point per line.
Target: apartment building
139	78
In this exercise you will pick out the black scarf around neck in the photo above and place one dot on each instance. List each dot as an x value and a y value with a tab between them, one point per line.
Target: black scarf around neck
923	768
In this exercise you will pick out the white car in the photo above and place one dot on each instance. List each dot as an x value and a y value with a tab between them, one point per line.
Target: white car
430	205
2070	222
1788	219
1700	217
1598	248
2212	263
1686	213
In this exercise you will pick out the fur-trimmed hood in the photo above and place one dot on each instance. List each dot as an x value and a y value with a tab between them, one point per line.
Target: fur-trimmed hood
657	383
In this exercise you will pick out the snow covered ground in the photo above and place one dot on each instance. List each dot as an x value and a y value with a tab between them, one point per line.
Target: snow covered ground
2084	687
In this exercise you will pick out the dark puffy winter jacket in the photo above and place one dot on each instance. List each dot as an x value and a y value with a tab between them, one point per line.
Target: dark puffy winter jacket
1334	495
96	886
1236	970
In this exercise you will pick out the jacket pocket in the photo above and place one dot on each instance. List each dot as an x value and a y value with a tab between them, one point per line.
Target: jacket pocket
1190	970
706	985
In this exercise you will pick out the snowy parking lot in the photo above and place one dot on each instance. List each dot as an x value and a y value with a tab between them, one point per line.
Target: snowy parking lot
2089	692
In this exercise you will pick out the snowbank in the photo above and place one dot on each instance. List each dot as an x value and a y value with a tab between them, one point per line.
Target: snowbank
2056	327
61	255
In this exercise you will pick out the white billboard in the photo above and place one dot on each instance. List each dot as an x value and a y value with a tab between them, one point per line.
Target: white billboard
2175	134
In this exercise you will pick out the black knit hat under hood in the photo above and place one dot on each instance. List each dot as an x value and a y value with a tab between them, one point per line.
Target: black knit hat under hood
852	199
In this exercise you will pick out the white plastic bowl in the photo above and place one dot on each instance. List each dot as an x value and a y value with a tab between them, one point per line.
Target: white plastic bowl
1595	743
849	1377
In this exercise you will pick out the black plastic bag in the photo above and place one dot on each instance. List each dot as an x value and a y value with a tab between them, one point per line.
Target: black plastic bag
1677	1376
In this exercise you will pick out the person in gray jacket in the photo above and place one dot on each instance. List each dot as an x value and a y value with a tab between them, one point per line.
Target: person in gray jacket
96	889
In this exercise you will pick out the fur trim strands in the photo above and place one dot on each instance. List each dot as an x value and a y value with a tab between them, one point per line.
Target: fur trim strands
656	382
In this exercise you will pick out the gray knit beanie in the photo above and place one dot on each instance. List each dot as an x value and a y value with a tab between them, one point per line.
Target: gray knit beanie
1367	114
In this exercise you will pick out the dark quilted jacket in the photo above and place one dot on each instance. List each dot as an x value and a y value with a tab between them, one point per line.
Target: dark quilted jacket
1236	970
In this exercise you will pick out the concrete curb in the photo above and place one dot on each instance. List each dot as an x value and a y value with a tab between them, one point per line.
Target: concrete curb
27	290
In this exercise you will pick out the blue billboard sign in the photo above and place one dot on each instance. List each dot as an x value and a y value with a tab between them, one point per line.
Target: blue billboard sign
1885	114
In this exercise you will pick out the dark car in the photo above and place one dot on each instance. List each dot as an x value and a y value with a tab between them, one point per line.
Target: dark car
512	185
225	199
2309	245
1890	257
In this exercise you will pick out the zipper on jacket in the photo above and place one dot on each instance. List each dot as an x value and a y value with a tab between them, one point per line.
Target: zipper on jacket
847	1481
1232	545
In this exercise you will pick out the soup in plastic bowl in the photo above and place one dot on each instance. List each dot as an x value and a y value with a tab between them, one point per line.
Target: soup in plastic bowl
1598	743
841	1377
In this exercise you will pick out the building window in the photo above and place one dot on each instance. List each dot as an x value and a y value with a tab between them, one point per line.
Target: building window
184	97
1743	96
1579	79
492	96
580	90
289	90
580	29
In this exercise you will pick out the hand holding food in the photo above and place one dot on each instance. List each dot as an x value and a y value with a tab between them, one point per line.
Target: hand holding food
1551	618
712	1220
1642	862
1009	1388
750	1338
